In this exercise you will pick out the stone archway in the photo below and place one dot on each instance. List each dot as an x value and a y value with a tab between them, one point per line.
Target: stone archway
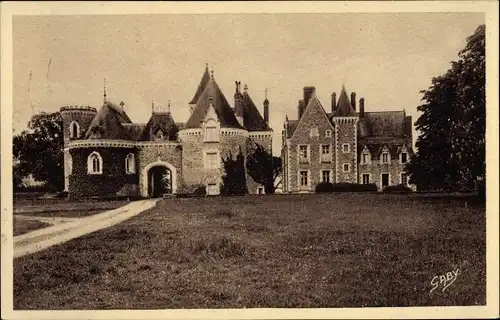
152	172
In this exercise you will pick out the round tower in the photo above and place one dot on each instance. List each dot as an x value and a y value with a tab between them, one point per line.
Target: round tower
76	120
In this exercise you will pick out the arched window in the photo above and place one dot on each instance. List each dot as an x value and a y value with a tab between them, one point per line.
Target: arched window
211	131
130	163
74	130
94	163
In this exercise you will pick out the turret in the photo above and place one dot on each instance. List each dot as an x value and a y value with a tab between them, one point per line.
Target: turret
76	121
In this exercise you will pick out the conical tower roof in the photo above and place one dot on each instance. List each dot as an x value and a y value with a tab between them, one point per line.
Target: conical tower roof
252	119
344	107
213	94
203	83
107	124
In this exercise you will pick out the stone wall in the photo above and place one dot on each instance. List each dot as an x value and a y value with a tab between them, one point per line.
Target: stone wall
376	168
164	154
113	180
346	130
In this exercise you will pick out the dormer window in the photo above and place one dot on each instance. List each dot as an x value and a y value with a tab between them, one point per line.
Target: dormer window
365	158
211	131
130	163
94	163
74	130
404	157
385	157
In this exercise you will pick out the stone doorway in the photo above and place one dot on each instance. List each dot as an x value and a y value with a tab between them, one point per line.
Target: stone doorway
159	181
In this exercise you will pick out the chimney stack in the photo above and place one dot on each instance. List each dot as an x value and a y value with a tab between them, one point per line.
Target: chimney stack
308	91
301	108
361	107
334	102
238	104
353	100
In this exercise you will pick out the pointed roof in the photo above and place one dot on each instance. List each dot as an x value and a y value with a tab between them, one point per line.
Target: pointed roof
203	83
252	119
344	107
224	112
160	121
107	124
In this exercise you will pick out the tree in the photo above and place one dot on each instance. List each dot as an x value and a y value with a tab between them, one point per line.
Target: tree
264	168
39	150
451	148
234	179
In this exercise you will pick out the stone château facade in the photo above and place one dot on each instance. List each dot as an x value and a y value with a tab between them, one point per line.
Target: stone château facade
344	145
107	155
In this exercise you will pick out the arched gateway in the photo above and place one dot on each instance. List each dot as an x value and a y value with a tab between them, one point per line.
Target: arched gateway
158	178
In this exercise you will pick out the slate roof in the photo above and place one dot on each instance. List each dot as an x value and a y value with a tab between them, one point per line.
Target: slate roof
134	129
203	83
252	119
292	126
107	124
160	121
224	112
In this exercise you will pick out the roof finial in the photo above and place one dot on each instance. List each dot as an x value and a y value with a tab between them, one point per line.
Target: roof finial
122	104
104	91
212	72
245	88
168	107
152	107
206	64
266	94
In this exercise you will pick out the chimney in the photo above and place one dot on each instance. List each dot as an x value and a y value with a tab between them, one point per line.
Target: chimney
301	108
353	100
361	107
334	102
308	91
266	110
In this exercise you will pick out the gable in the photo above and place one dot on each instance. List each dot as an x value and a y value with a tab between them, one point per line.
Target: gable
314	115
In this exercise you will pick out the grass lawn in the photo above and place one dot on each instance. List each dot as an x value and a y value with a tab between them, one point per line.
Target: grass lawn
22	226
341	250
63	208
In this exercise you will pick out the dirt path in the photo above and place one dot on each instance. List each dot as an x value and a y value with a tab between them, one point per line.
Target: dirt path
59	233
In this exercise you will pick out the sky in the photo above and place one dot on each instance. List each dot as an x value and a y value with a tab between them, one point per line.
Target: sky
387	58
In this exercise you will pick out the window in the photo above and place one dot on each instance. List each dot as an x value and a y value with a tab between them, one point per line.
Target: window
212	161
365	158
303	154
94	163
159	135
385	157
74	130
260	190
366	178
346	178
304	179
130	163
404	157
328	133
314	131
345	148
385	180
404	179
325	176
346	167
325	153
211	131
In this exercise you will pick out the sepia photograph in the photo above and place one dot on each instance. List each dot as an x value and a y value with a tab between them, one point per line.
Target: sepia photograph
217	156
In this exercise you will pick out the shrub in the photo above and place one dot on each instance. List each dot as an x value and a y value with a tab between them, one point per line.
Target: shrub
345	187
399	188
200	190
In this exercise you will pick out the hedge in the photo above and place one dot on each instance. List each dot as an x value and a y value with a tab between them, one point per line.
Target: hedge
399	188
345	187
